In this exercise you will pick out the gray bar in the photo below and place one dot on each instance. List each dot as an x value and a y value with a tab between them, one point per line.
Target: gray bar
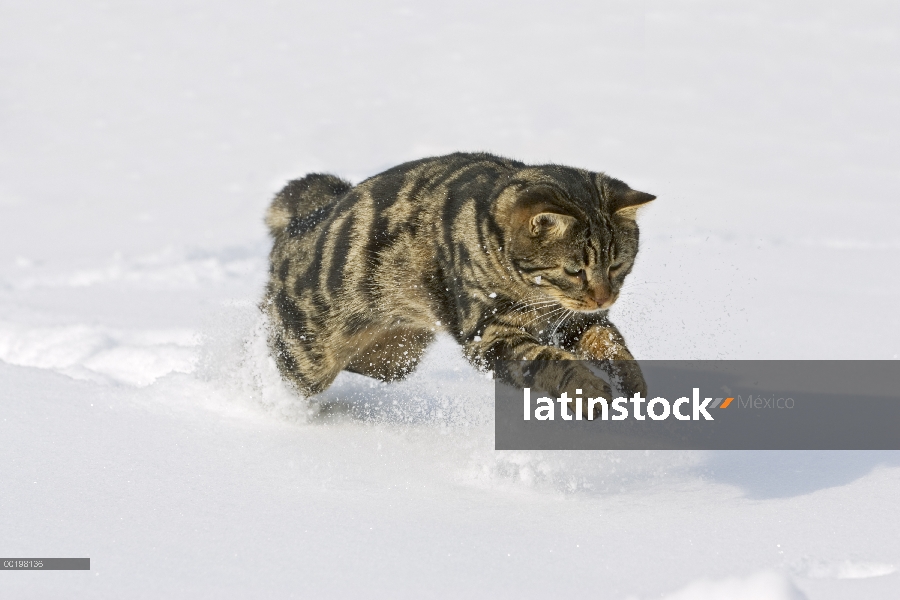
45	564
753	405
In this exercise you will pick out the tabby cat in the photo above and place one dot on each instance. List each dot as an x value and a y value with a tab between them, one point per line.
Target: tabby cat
513	261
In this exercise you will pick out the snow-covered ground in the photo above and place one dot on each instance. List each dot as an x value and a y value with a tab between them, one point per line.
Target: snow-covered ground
142	424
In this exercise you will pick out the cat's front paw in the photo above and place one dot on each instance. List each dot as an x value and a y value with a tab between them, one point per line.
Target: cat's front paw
591	386
628	378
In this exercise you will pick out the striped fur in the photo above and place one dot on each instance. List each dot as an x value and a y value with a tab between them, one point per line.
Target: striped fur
513	261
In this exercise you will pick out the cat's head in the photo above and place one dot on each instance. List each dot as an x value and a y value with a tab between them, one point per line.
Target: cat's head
576	244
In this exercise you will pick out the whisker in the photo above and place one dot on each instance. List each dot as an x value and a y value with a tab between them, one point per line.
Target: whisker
561	320
533	320
533	302
536	308
544	315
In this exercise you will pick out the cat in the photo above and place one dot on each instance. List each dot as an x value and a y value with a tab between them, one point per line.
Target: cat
513	261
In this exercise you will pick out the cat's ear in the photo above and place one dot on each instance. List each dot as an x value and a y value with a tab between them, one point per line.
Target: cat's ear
550	224
626	205
625	201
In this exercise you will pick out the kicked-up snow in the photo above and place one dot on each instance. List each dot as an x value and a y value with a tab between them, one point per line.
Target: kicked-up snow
144	425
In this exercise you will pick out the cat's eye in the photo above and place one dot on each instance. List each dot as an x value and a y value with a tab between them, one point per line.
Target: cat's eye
613	269
579	273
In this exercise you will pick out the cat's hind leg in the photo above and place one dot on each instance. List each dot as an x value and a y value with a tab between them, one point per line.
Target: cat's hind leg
391	355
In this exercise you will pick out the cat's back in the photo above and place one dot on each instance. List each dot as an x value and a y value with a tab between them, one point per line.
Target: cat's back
419	180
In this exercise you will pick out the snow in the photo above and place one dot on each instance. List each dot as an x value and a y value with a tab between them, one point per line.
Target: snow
144	425
765	584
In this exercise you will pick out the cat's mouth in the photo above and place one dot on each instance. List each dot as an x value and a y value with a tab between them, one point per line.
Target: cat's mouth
588	304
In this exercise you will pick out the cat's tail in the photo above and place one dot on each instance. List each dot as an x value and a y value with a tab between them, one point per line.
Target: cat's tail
301	200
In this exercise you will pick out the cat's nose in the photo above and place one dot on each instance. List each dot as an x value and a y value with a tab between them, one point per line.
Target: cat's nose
602	296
